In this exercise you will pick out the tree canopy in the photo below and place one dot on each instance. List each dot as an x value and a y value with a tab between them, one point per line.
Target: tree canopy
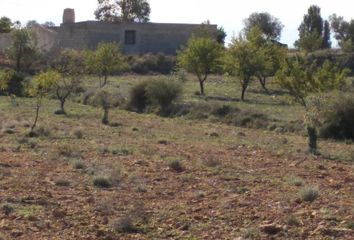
270	26
202	56
314	32
123	11
23	49
106	60
344	32
5	25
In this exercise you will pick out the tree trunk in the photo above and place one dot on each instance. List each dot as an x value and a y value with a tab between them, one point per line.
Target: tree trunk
105	80
62	102
263	80
105	116
244	88
36	118
18	60
201	83
312	135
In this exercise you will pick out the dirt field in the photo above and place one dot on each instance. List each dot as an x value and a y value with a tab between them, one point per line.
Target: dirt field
168	179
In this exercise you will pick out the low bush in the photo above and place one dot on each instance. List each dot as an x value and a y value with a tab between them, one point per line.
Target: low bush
124	224
102	182
175	165
138	100
159	93
15	83
163	93
338	119
152	63
309	194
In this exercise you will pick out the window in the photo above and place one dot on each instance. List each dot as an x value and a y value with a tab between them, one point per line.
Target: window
129	37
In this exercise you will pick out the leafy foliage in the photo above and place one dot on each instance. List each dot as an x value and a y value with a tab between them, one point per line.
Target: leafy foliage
71	65
106	60
314	33
247	58
221	35
338	117
123	11
344	32
40	87
163	92
202	56
11	82
5	25
23	49
159	93
302	79
270	26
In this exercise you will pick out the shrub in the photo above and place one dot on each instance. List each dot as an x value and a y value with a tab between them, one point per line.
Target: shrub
309	194
79	165
124	225
157	63
102	182
138	99
155	93
176	165
15	84
163	92
292	221
296	181
338	119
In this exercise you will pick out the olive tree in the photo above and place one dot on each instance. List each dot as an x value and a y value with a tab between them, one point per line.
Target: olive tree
41	85
302	80
201	56
106	60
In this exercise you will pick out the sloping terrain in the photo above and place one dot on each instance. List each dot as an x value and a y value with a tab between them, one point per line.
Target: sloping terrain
168	179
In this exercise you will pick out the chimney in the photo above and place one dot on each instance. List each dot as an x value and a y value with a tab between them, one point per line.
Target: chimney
69	15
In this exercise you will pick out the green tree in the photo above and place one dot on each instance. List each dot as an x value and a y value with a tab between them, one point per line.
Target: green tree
221	35
123	11
41	85
344	32
314	33
71	65
244	59
5	25
270	55
31	23
202	56
326	41
302	79
23	49
270	26
106	60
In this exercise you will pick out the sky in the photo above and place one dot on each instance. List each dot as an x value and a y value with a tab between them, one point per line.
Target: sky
226	13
